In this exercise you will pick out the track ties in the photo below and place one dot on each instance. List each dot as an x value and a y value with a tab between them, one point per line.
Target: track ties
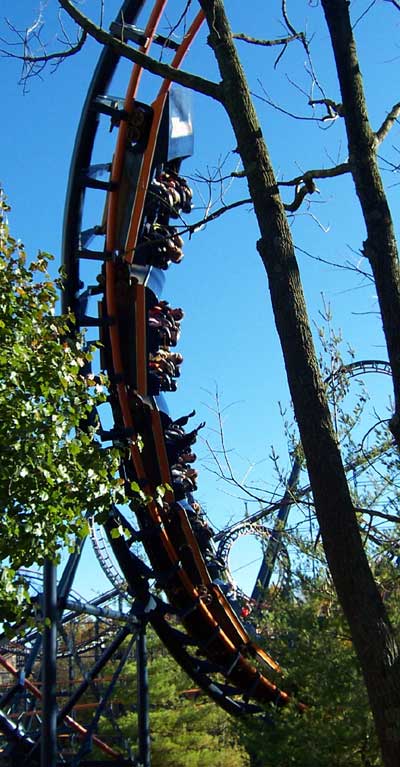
87	235
96	322
111	106
234	663
129	33
213	636
93	255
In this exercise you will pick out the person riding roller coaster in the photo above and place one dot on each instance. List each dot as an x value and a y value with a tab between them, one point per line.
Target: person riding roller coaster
164	323
161	244
168	196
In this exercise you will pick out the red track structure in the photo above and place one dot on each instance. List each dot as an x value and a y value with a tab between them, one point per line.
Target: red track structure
143	192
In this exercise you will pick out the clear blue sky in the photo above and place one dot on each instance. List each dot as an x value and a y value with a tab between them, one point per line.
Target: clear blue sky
228	335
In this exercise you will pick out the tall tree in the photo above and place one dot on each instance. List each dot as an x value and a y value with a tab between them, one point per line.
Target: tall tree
372	633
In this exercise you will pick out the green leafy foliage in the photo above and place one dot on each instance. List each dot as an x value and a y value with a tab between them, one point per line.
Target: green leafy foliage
52	472
306	632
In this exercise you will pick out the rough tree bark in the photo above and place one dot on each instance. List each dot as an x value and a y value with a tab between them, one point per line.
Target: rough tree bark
372	633
380	247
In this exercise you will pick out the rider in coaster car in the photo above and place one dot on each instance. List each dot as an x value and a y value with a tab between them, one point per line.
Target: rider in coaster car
202	530
174	193
162	319
160	326
177	442
167	383
204	535
162	244
166	362
181	483
187	457
184	193
167	421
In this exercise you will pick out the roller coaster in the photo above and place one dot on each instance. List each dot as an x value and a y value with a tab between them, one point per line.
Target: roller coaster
116	270
144	191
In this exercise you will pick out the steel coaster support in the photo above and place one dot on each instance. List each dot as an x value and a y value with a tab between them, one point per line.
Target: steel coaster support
48	743
268	563
62	591
13	732
68	576
143	697
87	744
104	658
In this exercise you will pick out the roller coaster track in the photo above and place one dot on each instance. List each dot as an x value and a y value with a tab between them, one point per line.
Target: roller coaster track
128	287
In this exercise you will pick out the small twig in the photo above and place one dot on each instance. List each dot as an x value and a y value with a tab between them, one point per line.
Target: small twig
347	267
387	124
181	18
395	167
191	228
305	46
364	13
284	111
333	109
57	55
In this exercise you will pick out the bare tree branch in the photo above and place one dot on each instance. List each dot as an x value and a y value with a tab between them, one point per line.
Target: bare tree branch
55	56
306	47
309	175
283	41
267	100
333	109
387	124
301	192
346	266
306	177
394	167
380	514
267	43
364	13
181	18
304	185
188	80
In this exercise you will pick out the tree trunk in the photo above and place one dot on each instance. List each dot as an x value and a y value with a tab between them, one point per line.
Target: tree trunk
380	247
371	631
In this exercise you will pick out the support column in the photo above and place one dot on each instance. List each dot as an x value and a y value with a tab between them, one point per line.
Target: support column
143	698
48	746
268	563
